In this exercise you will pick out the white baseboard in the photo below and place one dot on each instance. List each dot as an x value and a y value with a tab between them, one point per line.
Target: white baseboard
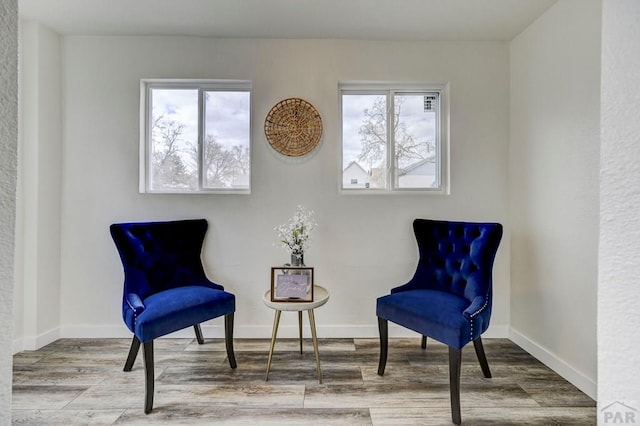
32	343
497	332
18	345
211	331
551	360
217	331
94	331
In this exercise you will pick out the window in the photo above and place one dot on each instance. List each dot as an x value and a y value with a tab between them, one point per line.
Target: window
394	137
195	136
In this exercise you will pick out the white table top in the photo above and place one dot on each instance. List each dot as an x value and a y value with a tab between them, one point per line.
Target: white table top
320	297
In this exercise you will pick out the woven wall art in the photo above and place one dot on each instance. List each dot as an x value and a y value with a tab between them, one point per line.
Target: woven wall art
293	127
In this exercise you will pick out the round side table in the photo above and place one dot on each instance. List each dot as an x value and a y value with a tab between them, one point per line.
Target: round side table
320	296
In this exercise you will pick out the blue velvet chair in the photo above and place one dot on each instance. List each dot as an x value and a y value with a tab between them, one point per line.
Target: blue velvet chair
166	289
449	296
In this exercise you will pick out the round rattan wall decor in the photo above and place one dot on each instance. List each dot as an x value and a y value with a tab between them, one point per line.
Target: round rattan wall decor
293	127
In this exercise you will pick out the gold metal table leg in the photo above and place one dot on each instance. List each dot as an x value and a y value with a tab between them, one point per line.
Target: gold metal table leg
300	329
276	322
312	320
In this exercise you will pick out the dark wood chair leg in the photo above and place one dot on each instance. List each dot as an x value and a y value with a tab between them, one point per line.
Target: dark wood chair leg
383	328
477	344
133	353
228	339
148	376
455	362
198	331
423	345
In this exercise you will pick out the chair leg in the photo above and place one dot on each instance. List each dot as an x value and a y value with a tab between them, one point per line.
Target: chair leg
383	328
148	376
477	344
228	339
455	362
423	345
133	353
198	331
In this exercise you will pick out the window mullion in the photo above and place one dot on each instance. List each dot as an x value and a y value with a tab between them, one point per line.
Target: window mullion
391	143
148	138
438	142
201	130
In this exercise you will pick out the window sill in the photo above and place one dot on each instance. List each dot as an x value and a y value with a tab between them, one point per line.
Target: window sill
412	191
199	192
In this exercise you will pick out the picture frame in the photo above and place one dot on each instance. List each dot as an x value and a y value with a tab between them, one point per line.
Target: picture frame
292	284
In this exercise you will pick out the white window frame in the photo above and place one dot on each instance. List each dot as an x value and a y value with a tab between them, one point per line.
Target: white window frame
202	85
442	133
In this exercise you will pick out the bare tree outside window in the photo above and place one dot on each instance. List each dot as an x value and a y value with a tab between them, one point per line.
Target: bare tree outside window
373	131
169	149
226	156
222	166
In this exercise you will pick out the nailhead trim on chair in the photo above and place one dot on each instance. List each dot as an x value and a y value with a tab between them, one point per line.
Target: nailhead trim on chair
486	302
135	312
135	315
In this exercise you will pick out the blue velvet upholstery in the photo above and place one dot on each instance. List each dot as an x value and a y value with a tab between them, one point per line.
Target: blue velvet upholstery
165	287
449	297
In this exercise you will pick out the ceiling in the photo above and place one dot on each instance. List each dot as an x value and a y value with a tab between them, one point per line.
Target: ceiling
450	20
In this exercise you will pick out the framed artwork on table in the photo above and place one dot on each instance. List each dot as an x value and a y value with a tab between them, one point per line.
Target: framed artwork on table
291	284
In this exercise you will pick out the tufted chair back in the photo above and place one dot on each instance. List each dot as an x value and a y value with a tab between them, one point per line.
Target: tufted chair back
456	257
158	256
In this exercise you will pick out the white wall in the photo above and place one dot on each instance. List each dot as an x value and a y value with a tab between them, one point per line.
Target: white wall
364	244
8	167
38	225
553	195
618	290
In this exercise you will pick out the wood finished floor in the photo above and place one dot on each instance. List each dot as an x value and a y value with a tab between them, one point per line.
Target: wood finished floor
81	382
